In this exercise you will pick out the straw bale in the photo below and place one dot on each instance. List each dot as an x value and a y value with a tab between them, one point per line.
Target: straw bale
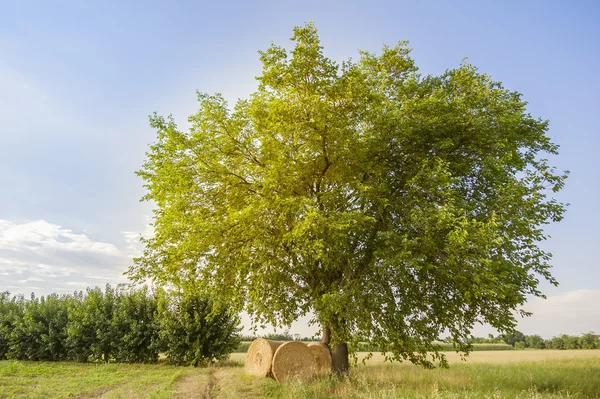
260	356
322	356
293	360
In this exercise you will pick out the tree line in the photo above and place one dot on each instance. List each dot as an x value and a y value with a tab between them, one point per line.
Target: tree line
521	341
116	325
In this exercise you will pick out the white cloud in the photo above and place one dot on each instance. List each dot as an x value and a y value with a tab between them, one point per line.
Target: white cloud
573	313
56	258
39	233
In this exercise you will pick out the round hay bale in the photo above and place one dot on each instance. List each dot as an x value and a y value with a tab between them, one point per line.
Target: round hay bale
293	360
260	356
322	356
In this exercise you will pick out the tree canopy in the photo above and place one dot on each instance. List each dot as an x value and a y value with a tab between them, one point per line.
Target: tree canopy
388	204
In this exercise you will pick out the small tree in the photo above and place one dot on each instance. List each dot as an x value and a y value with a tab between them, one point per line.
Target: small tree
11	313
193	330
42	331
91	334
136	326
392	205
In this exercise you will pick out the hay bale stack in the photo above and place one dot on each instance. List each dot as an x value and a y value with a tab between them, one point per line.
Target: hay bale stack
322	356
260	356
293	360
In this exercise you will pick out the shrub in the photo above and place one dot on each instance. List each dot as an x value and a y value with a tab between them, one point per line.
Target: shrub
42	331
193	330
91	335
520	345
11	312
134	322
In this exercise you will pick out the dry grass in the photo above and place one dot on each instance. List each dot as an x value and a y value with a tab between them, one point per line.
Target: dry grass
490	357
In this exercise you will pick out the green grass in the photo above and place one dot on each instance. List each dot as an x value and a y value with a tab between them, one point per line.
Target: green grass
60	380
576	375
569	378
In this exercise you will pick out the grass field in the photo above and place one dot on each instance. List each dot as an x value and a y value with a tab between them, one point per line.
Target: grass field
495	374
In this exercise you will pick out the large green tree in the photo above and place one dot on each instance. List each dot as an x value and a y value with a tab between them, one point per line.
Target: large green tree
388	204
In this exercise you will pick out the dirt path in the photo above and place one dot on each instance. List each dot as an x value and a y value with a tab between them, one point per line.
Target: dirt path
234	383
196	385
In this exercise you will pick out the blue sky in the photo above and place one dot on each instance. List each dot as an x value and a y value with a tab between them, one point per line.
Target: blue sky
78	80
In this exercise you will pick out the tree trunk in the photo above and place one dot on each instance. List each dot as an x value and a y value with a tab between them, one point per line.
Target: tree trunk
339	353
339	358
326	339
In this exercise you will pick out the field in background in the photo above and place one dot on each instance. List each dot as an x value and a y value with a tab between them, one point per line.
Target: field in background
539	374
490	357
244	345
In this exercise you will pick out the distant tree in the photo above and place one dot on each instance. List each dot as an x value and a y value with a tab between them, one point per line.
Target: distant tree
557	343
284	336
589	341
195	331
512	338
489	340
570	341
535	341
390	204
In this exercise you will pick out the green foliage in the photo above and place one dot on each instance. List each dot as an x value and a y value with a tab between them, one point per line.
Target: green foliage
393	206
135	324
589	341
570	342
489	340
91	334
279	336
564	341
195	331
242	347
114	325
445	347
535	341
556	343
40	334
11	312
513	337
520	345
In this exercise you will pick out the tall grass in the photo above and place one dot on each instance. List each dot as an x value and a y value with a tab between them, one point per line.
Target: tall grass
570	378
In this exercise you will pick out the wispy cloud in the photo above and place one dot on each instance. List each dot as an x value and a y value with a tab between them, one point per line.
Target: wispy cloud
57	258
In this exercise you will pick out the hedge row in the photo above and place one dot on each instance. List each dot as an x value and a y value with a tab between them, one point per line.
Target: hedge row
116	325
